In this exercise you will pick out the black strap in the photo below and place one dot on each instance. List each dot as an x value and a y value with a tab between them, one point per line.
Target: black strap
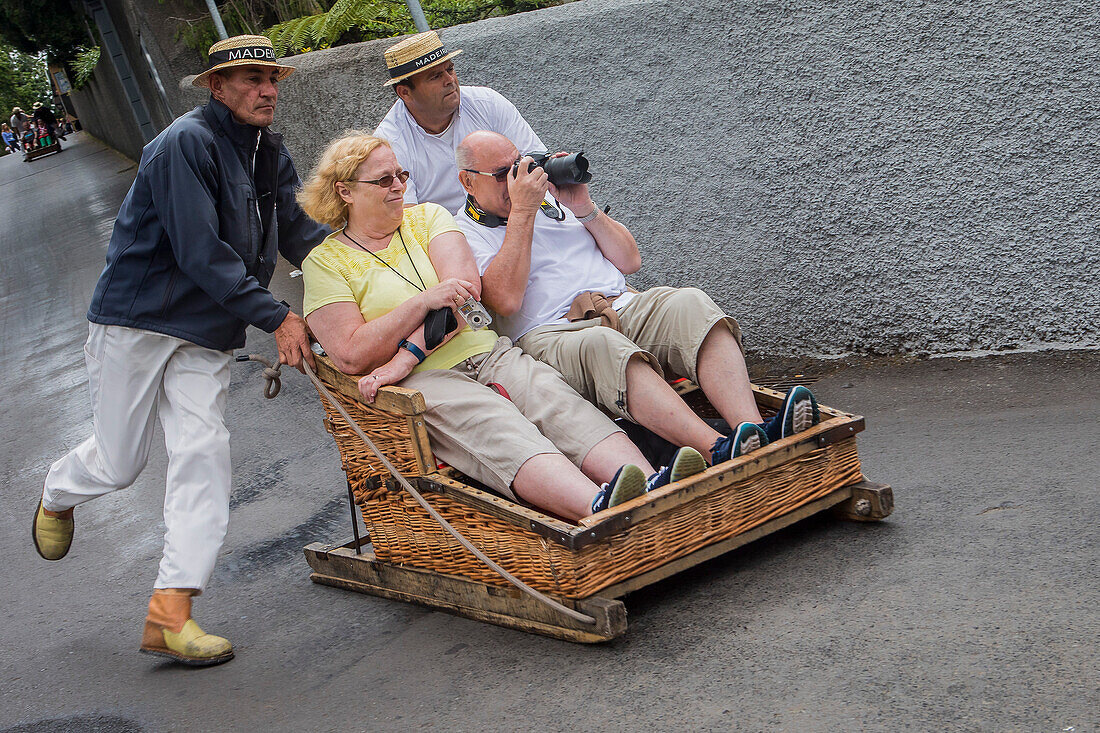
422	287
485	219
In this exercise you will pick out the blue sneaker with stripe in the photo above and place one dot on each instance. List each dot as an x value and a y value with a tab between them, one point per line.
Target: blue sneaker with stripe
686	462
627	483
745	438
798	412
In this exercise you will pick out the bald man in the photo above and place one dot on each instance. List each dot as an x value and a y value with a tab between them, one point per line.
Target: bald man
553	270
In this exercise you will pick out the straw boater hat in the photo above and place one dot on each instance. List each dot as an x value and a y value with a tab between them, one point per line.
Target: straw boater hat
241	51
414	54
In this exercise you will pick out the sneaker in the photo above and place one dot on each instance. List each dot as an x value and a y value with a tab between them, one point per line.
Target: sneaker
627	483
686	462
798	412
746	437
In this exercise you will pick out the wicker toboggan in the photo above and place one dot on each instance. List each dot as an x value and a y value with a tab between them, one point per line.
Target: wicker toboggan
559	558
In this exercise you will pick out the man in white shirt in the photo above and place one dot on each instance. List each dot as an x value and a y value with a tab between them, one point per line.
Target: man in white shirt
553	270
433	114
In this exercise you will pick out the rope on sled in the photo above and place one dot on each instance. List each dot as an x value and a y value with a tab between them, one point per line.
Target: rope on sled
271	389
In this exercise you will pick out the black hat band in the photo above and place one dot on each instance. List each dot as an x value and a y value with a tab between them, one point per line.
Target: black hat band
416	64
244	53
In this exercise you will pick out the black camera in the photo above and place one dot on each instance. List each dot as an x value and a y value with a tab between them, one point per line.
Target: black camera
567	169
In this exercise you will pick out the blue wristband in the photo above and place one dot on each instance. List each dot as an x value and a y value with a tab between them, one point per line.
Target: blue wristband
414	350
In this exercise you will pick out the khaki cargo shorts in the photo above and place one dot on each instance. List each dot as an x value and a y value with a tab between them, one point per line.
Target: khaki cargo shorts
488	437
664	326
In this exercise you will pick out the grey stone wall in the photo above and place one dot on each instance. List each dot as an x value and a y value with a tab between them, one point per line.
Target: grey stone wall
844	177
101	107
102	104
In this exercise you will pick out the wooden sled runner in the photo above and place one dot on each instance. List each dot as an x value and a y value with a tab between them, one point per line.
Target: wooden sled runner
585	566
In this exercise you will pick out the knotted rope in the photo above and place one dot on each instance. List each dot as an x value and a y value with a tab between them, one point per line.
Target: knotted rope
272	382
271	389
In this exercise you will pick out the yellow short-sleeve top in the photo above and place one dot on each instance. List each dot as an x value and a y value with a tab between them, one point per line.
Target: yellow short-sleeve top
335	273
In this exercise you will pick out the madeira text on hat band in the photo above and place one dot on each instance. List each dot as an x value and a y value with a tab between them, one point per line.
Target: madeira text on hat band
411	66
258	53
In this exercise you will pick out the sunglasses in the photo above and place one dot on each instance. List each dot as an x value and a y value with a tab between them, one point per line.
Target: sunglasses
499	176
385	181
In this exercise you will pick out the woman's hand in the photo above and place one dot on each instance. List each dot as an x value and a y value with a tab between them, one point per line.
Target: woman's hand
391	372
451	293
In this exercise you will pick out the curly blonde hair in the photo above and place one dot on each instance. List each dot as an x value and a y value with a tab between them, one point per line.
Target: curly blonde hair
339	162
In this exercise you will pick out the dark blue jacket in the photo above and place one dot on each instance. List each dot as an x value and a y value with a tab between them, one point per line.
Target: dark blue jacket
195	242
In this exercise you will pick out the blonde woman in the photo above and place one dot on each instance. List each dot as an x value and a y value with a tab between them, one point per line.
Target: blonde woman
369	288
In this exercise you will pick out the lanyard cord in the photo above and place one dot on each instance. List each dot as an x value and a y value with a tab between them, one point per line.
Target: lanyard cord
422	287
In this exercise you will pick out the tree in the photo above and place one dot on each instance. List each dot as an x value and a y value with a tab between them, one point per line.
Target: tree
55	27
23	80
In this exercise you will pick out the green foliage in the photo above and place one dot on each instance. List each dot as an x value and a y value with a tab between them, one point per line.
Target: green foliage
346	21
196	29
55	27
443	13
252	16
295	26
351	21
23	81
198	35
83	65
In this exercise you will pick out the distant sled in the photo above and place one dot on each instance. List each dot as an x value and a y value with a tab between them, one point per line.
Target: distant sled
29	155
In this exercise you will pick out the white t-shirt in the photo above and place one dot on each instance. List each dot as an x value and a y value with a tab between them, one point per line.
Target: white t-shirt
430	159
565	262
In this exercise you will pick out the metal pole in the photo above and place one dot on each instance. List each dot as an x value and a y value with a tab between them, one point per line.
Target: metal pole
417	14
354	520
213	8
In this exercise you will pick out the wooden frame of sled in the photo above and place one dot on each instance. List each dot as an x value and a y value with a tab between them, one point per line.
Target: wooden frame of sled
33	153
585	566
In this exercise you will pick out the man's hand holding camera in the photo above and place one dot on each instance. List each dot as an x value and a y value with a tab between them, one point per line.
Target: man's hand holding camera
573	196
568	177
527	187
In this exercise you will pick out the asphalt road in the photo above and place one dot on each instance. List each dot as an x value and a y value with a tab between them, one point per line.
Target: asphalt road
974	607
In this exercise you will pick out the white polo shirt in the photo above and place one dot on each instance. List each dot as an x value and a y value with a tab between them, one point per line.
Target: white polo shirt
430	159
565	262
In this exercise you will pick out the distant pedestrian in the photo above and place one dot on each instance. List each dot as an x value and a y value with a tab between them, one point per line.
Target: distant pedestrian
43	137
11	140
45	115
18	121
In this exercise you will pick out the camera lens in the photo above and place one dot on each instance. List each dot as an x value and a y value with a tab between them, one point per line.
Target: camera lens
568	169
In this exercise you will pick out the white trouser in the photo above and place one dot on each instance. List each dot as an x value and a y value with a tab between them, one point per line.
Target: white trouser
134	376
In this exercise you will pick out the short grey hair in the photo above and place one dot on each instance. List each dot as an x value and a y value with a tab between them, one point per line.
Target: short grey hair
464	156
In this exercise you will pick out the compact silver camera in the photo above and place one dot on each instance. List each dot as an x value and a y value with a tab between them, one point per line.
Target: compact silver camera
475	314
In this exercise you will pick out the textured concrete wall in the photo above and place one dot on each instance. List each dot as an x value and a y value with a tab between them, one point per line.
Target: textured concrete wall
103	106
103	112
844	177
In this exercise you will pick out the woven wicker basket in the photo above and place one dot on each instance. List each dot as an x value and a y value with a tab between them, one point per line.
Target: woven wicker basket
561	558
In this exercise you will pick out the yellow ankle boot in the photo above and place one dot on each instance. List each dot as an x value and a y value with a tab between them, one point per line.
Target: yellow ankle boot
52	532
171	632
